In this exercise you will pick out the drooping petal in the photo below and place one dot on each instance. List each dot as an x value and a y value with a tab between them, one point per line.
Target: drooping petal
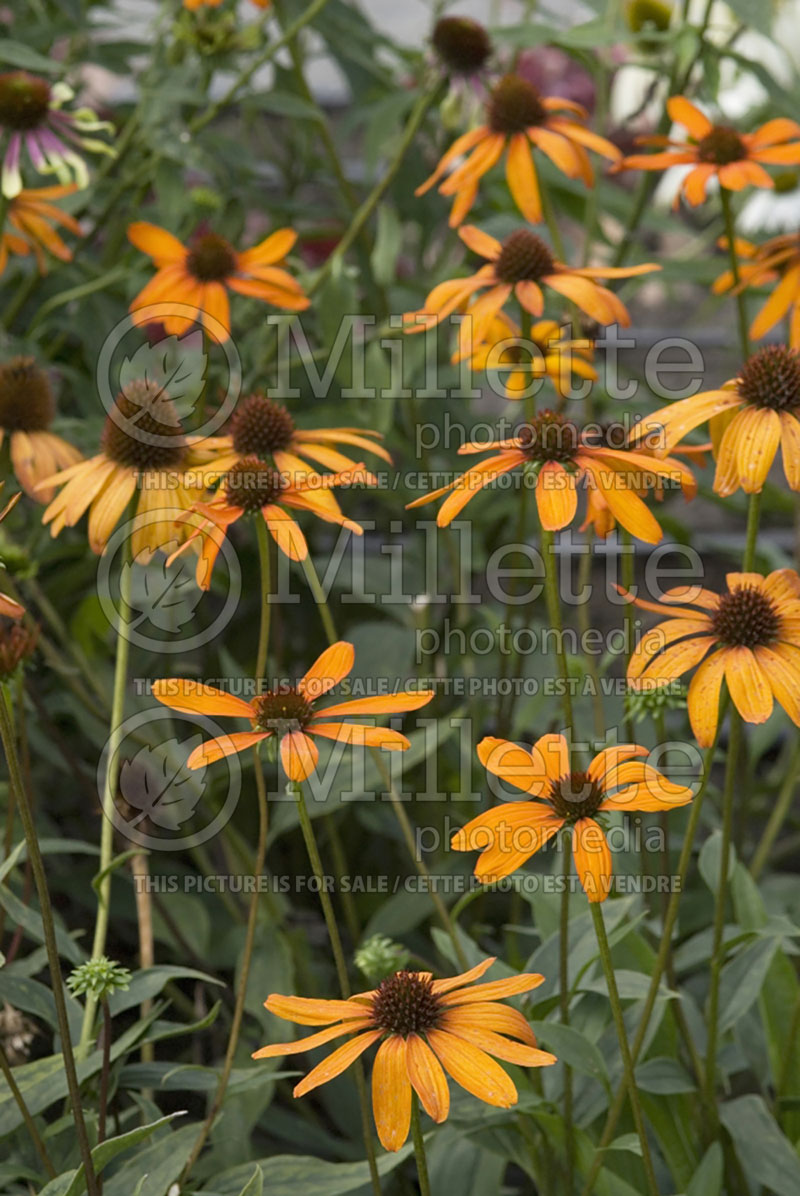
592	857
391	1093
513	764
750	692
396	703
226	745
495	1044
427	1077
279	1049
309	1011
473	1069
336	1063
703	698
299	755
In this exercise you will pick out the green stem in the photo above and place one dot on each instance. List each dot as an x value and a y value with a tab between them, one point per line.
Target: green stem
720	904
110	784
627	1060
627	571
258	868
247	957
104	1076
30	1124
659	966
553	598
318	594
741	302
419	1148
48	925
753	519
563	1001
244	77
780	812
328	914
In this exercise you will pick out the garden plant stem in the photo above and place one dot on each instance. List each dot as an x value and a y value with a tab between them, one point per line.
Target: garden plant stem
419	1148
627	1061
30	1124
111	780
741	303
659	965
340	962
48	925
563	1001
265	582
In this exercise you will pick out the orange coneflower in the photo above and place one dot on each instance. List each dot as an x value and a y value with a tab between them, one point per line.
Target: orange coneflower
142	448
754	631
422	1025
289	713
196	277
556	449
519	266
26	412
600	516
549	352
8	606
719	151
263	428
750	417
32	217
776	260
509	834
254	487
518	116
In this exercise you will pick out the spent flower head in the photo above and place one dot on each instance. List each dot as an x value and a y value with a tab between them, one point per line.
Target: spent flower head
101	977
378	957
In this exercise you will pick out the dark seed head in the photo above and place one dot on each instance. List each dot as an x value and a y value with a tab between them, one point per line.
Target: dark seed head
575	796
721	146
524	257
462	44
251	484
406	1004
211	258
549	437
260	426
24	101
144	432
514	106
26	399
746	618
771	379
282	711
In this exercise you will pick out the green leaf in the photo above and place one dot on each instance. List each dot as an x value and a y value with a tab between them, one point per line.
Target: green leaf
755	13
707	1179
742	981
255	1185
766	1155
151	1171
292	1175
22	57
663	1075
388	242
149	982
709	860
72	1183
573	1048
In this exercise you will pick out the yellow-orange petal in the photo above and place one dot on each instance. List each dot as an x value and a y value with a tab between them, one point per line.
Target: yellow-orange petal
592	857
193	697
747	685
310	1011
513	764
556	496
391	1093
494	1044
160	245
428	1079
279	1049
703	698
397	703
336	1063
503	1019
356	735
610	757
328	670
225	745
521	178
685	113
447	983
299	755
551	752
493	990
781	667
473	1069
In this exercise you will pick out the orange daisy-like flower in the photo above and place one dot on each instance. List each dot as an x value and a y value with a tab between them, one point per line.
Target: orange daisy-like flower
600	516
193	5
735	159
196	277
549	352
253	487
554	447
750	418
509	834
263	428
8	606
517	118
776	260
290	714
31	219
26	412
753	634
425	1028
144	451
519	266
